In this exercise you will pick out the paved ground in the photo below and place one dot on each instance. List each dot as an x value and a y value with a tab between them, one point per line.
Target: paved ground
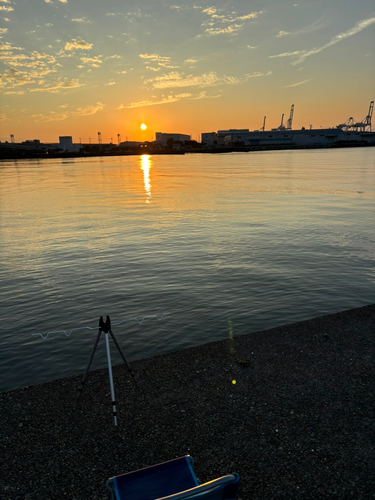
297	424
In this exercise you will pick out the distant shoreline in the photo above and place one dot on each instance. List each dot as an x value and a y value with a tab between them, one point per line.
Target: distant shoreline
9	154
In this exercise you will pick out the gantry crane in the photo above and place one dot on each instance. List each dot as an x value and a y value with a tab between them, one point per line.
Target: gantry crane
362	126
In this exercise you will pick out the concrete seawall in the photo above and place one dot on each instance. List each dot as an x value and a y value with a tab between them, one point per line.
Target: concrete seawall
290	409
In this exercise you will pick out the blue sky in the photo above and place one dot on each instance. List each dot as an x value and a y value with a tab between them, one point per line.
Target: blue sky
73	67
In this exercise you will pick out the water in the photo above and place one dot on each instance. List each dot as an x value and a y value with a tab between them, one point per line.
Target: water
258	239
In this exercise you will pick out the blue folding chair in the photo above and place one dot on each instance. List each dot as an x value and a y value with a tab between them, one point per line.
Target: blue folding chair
172	480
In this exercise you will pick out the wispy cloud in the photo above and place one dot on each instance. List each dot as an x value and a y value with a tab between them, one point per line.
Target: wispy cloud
58	86
282	33
217	18
165	100
81	20
6	9
257	74
297	84
233	28
155	57
51	117
315	26
203	95
89	110
92	61
300	55
176	79
78	44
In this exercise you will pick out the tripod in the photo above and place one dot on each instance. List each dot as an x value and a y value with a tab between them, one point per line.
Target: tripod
106	328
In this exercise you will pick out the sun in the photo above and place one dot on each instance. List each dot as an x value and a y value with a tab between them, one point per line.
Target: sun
143	126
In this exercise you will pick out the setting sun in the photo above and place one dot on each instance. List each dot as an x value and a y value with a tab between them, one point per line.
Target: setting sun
143	126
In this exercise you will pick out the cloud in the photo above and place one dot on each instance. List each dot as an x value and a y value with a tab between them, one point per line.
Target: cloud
78	43
299	83
14	77
234	20
317	25
52	117
257	74
6	9
220	31
3	30
203	95
191	61
110	83
81	20
89	110
155	57
300	55
8	46
63	1
4	1
210	11
176	79
93	61
58	85
164	100
252	47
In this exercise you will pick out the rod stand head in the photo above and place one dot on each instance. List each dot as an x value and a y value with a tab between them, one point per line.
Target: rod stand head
105	327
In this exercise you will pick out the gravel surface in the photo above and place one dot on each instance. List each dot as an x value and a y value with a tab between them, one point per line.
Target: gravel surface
297	424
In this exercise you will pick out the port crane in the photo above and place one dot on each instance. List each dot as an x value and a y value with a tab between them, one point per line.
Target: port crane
290	120
288	125
362	126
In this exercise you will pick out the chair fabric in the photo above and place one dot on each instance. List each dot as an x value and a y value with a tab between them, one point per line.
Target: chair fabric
156	481
224	488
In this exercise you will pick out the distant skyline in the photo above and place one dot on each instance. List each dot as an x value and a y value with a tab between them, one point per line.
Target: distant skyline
79	67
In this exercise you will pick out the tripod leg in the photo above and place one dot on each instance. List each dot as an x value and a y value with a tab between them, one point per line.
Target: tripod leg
111	378
90	360
122	354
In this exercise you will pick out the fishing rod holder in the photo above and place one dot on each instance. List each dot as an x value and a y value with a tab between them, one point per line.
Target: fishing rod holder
105	327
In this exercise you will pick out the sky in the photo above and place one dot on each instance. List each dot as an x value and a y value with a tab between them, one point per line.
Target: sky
79	67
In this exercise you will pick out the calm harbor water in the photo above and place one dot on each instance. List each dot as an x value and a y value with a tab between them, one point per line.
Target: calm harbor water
256	239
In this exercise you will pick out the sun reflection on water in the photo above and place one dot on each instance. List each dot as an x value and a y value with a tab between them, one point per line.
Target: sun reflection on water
145	165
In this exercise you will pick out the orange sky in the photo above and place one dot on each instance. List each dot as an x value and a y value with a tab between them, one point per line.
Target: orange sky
181	68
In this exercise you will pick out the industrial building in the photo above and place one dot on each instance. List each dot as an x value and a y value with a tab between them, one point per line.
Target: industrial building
350	132
163	137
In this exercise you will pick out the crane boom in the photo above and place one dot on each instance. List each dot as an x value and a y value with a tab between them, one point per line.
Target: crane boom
290	120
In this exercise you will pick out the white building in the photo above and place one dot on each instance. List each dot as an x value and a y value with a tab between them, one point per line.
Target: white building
66	144
209	138
162	137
